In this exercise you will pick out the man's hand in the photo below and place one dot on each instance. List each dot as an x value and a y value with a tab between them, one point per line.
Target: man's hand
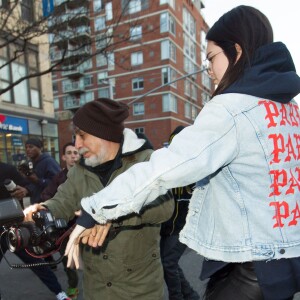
19	192
95	236
32	209
72	249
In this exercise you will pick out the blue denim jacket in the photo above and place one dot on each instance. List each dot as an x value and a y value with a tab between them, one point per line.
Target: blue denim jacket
243	152
248	209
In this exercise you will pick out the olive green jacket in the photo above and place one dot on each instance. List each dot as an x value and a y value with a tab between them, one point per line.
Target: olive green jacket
128	266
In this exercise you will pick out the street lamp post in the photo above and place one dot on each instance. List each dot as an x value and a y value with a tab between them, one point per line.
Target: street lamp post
42	123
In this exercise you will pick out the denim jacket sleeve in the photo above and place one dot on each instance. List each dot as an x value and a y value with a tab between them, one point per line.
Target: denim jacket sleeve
196	152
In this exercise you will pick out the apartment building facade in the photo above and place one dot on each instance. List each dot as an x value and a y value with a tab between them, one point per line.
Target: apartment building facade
150	45
26	108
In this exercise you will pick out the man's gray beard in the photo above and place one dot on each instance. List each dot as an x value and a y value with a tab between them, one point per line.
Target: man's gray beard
92	161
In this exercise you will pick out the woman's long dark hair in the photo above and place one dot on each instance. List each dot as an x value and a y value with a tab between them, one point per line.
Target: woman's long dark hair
245	26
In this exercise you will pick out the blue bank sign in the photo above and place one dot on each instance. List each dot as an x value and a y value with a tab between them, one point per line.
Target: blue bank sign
13	125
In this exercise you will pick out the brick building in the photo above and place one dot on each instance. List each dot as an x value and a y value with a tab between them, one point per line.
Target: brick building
26	108
148	43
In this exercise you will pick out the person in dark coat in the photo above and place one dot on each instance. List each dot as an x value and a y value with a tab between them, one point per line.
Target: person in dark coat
171	249
44	168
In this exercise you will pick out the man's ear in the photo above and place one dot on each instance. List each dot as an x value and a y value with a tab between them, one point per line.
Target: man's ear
63	157
239	51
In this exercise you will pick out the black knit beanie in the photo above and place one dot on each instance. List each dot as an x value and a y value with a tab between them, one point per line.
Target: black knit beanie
103	118
34	142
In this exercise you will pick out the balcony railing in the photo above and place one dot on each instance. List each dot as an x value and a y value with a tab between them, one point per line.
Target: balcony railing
71	103
74	87
74	103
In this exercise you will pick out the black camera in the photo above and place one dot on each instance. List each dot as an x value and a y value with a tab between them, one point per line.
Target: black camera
41	237
26	167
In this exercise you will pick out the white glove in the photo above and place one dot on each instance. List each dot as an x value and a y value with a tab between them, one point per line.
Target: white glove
72	249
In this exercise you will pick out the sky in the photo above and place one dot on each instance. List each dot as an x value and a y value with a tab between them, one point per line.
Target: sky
283	15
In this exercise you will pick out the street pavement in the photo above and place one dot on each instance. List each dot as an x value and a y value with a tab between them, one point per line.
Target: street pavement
19	284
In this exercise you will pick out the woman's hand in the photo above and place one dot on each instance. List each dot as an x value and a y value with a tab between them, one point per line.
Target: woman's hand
95	236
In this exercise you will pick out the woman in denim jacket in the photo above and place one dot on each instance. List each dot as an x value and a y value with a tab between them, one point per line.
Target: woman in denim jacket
243	151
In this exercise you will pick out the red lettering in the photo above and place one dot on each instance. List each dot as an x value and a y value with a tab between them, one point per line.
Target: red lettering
279	180
296	215
297	139
295	182
281	212
284	116
294	110
291	150
272	111
288	114
278	146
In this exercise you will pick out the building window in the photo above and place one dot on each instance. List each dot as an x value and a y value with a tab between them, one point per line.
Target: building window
136	33
168	50
134	6
189	47
27	10
137	84
103	93
5	79
109	11
101	60
99	23
56	103
187	88
138	109
169	103
206	81
111	60
136	58
168	75
86	97
194	112
101	41
167	23
139	130
97	5
189	23
5	4
187	110
189	66
205	98
54	87
102	76
88	80
194	91
27	92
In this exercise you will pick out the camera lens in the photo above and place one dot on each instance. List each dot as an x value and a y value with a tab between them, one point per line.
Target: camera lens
18	238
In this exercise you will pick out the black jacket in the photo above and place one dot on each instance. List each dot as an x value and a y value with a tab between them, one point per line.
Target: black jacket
182	196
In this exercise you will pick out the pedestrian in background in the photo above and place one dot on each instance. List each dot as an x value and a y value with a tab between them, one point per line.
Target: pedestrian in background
70	156
44	167
171	249
243	153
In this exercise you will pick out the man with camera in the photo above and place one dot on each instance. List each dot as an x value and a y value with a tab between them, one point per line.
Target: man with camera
44	273
39	170
128	265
